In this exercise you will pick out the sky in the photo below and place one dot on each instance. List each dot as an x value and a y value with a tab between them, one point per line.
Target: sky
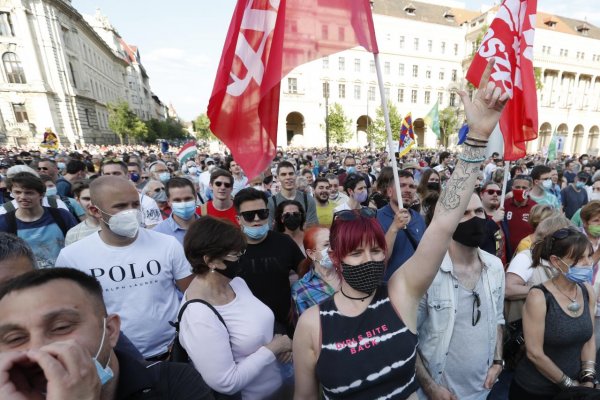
180	42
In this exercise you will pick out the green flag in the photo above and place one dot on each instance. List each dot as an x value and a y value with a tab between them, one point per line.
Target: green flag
552	147
432	119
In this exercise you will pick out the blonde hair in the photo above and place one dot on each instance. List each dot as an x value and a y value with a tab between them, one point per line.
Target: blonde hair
540	212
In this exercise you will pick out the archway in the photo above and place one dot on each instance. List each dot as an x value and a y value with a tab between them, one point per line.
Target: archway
562	132
419	128
577	139
294	125
362	127
545	134
593	137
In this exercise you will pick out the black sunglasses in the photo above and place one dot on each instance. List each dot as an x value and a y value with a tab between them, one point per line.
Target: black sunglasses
219	184
250	216
158	190
295	214
476	316
492	192
351	215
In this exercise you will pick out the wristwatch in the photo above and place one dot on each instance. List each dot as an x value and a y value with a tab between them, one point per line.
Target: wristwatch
501	363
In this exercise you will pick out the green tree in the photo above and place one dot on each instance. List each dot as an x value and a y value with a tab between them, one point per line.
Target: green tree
124	122
537	72
339	124
448	123
202	127
169	129
376	132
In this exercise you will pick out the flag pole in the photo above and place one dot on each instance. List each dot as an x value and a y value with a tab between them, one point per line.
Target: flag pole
388	129
505	183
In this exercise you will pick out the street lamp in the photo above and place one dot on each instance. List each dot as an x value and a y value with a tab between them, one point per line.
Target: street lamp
326	95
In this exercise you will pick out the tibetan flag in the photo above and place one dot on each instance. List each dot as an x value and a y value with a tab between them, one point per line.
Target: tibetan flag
407	136
188	151
432	119
509	40
265	41
552	147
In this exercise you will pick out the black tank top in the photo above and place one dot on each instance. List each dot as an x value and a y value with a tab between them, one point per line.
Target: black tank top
369	356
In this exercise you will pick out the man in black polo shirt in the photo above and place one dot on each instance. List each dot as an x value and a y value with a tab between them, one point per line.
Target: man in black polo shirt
57	342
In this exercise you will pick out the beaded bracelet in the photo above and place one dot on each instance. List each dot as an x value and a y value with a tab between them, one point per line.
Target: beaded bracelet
474	145
477	140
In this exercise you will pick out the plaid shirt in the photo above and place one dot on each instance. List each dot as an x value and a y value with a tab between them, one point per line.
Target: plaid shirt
310	290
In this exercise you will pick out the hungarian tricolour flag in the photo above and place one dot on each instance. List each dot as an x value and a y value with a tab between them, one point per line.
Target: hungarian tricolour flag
266	40
188	151
509	40
407	136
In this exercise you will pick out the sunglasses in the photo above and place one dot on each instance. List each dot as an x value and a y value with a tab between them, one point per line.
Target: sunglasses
42	168
476	316
250	216
492	192
351	215
158	190
219	184
289	214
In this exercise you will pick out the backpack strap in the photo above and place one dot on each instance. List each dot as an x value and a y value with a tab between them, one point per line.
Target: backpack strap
58	219
70	207
52	202
11	221
9	206
184	306
305	203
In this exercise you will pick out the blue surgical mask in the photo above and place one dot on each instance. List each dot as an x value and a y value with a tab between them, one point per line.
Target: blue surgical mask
578	274
51	191
164	176
580	185
104	373
184	210
256	232
325	260
547	184
61	165
351	170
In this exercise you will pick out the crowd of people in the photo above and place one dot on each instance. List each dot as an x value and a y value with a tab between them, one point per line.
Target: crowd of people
127	274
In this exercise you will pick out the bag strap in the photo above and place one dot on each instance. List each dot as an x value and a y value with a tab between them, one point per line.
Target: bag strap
58	219
9	206
305	203
52	202
206	303
11	221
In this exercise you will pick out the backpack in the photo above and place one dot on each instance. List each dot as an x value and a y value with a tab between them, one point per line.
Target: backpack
305	202
11	220
9	206
178	353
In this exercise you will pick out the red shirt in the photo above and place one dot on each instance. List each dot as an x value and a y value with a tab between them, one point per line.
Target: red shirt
229	214
517	219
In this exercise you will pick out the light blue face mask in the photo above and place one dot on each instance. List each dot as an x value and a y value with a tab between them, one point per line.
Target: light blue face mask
104	373
51	191
61	165
580	185
578	274
256	232
351	170
325	260
164	176
184	210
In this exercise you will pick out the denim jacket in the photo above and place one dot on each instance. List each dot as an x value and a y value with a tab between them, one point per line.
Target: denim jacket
435	322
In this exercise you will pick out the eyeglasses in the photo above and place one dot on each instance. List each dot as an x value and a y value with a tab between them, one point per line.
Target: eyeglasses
219	184
158	190
492	192
476	316
250	216
351	215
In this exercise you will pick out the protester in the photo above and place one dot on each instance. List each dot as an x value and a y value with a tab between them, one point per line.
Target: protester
574	196
538	213
243	351
75	171
379	196
356	190
542	183
181	197
240	181
221	206
336	195
290	219
155	189
495	235
16	257
286	175
517	209
325	206
81	191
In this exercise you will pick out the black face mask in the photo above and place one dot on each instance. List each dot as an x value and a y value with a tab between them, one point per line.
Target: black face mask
231	271
470	233
433	186
292	222
364	277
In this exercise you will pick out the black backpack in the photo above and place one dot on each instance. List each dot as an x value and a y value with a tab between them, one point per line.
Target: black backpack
178	353
11	220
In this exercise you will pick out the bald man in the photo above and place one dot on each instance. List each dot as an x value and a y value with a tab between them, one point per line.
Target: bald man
139	270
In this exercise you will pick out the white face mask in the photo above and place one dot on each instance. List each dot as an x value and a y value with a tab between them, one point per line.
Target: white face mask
125	223
594	196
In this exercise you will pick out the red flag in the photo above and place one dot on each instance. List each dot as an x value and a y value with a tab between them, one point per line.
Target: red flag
510	41
266	40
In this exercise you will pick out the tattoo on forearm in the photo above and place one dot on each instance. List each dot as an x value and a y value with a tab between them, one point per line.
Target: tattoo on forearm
456	186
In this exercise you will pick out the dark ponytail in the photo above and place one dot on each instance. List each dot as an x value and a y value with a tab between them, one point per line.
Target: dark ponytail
564	243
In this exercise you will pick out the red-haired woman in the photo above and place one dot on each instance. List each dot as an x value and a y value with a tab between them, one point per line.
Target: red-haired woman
318	279
361	343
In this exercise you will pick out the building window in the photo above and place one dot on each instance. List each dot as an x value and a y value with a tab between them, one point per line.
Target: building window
87	117
13	68
72	70
455	49
372	66
441	75
430	45
292	85
401	42
415	72
372	93
427	97
440	98
341	63
443	47
324	32
416	43
454	75
356	92
357	65
325	62
342	91
428	74
413	96
20	113
386	92
325	90
6	28
453	99
400	95
401	69
341	34
386	67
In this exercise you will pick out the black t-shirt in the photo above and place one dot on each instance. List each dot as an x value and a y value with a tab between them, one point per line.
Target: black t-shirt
266	267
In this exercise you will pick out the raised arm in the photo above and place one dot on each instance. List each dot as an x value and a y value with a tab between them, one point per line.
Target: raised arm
409	283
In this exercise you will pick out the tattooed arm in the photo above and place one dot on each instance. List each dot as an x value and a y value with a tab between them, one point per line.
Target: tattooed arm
409	283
